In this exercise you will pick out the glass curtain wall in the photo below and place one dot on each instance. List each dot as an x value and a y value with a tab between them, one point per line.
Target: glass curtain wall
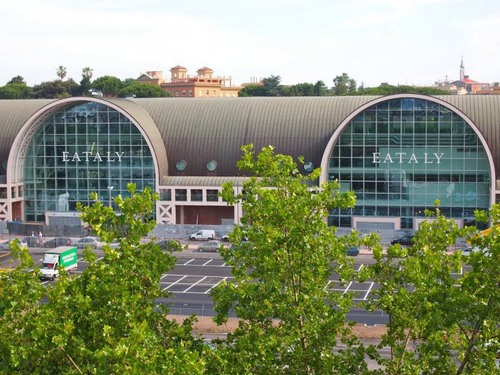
402	155
83	148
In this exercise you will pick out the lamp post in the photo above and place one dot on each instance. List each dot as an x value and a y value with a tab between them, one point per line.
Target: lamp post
110	198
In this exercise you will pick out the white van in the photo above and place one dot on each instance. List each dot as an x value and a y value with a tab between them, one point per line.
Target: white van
203	235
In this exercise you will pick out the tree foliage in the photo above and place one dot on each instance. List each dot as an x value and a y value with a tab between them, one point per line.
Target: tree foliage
107	320
440	323
386	89
143	90
344	85
61	72
56	89
108	85
15	90
290	320
306	89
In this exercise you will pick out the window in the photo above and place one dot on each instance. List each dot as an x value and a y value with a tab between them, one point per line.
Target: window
165	195
181	195
196	195
212	195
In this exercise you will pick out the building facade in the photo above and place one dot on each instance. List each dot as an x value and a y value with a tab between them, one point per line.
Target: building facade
202	85
398	153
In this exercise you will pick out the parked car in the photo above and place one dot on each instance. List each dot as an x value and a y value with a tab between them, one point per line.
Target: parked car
33	241
57	241
212	246
82	243
468	250
203	235
352	251
168	245
406	240
225	238
5	245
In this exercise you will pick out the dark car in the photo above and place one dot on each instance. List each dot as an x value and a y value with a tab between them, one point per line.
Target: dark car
406	240
58	241
352	251
33	241
168	245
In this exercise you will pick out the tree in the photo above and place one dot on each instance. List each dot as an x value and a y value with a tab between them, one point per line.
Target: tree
86	82
105	321
440	323
108	85
61	72
55	89
290	320
251	90
386	89
344	85
17	79
143	90
269	86
15	91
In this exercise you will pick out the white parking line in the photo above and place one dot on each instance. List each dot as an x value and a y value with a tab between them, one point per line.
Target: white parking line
213	286
204	264
189	261
368	292
359	268
346	289
196	283
182	278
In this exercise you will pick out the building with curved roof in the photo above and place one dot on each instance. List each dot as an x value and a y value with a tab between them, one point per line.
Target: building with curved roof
398	153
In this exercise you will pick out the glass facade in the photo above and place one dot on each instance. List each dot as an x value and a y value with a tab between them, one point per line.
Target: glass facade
401	155
83	148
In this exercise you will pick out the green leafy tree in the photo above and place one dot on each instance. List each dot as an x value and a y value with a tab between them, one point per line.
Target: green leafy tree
290	320
17	79
108	85
305	89
55	89
269	86
143	90
440	323
386	89
15	91
107	320
251	90
344	85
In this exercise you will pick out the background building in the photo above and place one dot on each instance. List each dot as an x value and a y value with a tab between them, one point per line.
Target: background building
203	85
398	153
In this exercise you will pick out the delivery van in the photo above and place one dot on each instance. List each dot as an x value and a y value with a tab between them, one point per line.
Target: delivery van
65	257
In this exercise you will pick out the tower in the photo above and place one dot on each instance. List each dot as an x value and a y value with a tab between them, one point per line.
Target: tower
462	70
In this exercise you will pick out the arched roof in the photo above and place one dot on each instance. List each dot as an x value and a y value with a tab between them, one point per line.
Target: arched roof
198	130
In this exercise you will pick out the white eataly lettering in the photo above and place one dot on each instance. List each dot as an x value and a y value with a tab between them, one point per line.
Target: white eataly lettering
87	156
403	157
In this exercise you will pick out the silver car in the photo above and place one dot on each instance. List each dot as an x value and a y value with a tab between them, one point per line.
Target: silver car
209	246
82	243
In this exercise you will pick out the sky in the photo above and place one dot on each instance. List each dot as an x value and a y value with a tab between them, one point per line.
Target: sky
400	42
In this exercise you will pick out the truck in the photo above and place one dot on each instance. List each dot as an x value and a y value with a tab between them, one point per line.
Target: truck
65	257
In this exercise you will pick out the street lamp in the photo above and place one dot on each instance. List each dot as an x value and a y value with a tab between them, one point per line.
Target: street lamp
110	198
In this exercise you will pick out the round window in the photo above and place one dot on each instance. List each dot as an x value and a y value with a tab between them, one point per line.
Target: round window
181	165
308	166
212	165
